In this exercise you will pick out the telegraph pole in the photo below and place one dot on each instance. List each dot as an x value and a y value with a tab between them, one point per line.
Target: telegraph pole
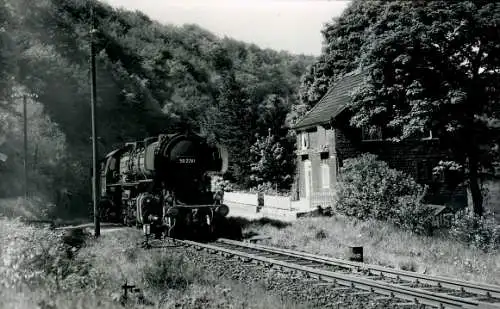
25	123
25	97
95	173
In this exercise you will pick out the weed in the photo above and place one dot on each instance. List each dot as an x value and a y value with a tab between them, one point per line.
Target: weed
482	232
386	245
36	272
166	272
321	234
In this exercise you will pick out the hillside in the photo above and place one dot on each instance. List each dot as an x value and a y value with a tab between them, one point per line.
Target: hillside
151	78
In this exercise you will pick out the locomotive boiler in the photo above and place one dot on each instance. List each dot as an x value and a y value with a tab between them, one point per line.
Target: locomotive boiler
165	182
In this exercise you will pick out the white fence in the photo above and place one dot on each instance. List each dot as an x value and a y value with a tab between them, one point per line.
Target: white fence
275	206
241	198
323	199
280	202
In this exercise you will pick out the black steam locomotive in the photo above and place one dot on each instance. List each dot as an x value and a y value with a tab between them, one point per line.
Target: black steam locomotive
164	183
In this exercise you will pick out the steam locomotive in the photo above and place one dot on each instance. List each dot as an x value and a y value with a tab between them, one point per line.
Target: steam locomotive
164	183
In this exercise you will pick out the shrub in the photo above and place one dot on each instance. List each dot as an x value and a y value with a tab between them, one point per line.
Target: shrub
40	257
481	231
412	215
269	189
370	189
218	183
166	272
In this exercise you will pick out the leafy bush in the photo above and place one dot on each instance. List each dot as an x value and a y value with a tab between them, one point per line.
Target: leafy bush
37	257
167	272
481	231
218	183
370	189
271	164
268	189
411	215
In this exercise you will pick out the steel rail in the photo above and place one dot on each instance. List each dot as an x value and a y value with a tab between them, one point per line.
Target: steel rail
481	289
349	280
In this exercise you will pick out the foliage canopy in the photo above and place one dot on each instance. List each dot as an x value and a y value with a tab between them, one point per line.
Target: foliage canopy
431	65
151	78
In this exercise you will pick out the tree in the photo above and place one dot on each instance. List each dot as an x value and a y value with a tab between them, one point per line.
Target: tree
270	163
272	112
435	66
231	121
343	40
7	55
233	127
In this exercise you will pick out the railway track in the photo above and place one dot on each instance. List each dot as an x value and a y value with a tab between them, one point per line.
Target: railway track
401	289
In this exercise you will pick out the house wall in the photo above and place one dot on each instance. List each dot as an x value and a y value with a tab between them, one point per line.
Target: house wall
415	158
321	151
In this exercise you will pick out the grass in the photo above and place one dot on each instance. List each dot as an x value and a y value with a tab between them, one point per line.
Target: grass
383	245
17	207
34	209
37	270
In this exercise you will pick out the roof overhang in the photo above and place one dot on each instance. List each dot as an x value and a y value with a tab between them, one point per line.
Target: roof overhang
306	126
331	122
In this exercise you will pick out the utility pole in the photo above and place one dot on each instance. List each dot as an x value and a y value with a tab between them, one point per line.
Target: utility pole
95	173
25	123
25	97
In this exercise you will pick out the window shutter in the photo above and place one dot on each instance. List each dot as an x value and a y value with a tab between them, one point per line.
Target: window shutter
325	175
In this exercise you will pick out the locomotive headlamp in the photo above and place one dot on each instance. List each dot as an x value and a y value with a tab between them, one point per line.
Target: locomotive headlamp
153	218
146	228
172	212
223	210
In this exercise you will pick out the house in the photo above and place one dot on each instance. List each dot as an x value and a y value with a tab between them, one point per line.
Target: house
325	139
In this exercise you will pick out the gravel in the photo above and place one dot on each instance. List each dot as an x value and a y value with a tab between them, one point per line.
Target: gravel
286	284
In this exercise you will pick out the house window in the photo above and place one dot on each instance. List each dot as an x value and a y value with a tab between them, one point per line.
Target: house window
323	138
425	172
325	175
423	135
366	135
305	140
307	178
429	136
439	177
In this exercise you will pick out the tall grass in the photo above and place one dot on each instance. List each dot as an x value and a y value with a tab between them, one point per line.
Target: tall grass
40	268
387	246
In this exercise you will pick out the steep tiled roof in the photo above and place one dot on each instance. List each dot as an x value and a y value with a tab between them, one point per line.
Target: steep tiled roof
333	102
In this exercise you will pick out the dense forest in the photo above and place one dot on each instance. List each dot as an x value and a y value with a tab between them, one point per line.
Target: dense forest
151	78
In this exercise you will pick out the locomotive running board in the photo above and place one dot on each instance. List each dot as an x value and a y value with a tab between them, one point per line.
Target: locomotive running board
195	206
130	183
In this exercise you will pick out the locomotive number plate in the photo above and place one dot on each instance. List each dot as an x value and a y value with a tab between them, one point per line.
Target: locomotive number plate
187	160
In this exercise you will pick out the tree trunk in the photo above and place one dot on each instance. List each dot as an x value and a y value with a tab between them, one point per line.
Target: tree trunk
475	189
